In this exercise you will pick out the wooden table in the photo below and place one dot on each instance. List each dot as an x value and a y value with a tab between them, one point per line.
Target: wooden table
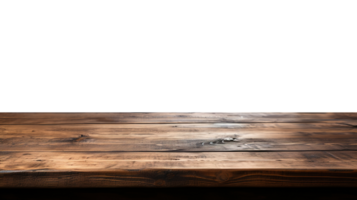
64	150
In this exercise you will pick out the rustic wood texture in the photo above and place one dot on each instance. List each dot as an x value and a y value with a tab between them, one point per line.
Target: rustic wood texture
178	137
117	161
181	178
116	169
178	149
161	118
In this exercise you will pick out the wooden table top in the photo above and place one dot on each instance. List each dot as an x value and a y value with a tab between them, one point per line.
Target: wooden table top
56	150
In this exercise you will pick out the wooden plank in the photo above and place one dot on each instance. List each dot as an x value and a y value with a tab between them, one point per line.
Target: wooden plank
119	118
209	169
112	161
181	178
178	137
178	149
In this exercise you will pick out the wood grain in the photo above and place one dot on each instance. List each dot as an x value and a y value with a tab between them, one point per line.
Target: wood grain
178	137
113	161
181	178
63	150
147	118
231	169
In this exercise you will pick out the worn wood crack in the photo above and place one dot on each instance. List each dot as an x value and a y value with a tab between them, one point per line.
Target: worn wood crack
220	141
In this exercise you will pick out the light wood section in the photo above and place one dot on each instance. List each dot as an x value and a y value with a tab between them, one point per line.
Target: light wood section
112	161
71	150
168	118
178	137
209	169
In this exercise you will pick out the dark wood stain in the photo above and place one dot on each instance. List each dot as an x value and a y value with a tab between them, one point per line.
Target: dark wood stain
182	178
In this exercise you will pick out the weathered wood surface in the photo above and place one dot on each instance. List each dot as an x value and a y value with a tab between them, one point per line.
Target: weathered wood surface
117	161
178	137
176	169
148	118
178	149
